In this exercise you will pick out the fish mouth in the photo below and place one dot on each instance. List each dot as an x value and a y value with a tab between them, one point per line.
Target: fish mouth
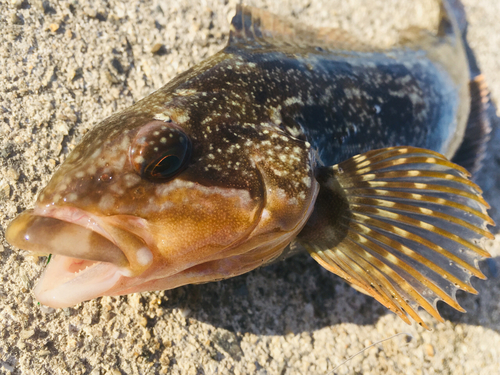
87	259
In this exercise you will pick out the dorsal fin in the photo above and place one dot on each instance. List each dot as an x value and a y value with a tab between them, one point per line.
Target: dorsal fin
257	28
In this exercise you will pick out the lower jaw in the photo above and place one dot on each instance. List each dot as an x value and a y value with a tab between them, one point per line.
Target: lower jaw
69	281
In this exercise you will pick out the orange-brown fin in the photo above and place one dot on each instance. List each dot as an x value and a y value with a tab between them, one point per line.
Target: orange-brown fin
402	224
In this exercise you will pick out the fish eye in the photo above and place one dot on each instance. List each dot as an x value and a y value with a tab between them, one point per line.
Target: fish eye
160	151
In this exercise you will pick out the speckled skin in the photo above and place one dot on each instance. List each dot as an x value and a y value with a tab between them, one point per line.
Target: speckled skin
248	101
260	118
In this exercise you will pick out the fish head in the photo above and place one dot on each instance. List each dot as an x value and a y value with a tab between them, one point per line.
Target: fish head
151	202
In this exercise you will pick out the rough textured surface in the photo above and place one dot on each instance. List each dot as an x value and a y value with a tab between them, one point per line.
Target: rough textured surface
64	66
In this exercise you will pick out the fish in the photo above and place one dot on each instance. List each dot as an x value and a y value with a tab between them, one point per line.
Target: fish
289	139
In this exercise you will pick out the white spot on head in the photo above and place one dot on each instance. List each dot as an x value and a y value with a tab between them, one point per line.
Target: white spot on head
307	181
71	197
144	256
120	163
131	180
96	153
139	159
106	202
293	100
116	188
266	215
280	193
162	117
182	118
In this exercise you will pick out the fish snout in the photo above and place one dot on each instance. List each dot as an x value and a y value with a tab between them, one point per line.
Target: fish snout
89	258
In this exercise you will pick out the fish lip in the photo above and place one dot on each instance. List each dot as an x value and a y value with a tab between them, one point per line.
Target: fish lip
101	225
70	279
76	216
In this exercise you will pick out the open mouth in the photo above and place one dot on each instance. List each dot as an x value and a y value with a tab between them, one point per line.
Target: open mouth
86	263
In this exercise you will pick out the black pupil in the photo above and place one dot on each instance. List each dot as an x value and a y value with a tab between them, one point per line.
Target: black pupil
165	167
160	151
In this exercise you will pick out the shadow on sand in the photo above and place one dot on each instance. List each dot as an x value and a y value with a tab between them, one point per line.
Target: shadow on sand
298	295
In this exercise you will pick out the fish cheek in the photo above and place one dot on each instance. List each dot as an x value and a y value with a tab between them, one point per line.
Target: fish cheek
203	223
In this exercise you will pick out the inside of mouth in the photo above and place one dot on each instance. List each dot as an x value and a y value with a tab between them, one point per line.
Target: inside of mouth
75	265
68	281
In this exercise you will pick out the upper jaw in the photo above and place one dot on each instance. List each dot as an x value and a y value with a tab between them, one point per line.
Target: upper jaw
91	257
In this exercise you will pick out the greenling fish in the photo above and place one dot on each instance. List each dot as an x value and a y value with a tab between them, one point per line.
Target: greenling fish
288	139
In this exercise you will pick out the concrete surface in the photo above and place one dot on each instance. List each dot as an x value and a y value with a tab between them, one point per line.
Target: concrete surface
64	65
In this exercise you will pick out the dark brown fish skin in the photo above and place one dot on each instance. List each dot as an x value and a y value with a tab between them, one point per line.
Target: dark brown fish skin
217	106
282	107
260	119
247	108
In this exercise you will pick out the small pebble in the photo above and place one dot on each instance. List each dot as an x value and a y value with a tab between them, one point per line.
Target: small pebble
429	349
8	367
17	3
47	309
12	175
156	47
27	334
54	27
14	18
4	190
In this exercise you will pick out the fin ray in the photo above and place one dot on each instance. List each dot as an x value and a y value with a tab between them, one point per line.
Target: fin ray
397	262
435	201
374	202
391	242
381	268
402	224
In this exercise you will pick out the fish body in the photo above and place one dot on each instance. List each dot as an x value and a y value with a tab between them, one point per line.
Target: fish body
268	143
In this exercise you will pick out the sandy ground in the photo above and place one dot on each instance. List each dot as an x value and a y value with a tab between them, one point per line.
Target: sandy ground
64	65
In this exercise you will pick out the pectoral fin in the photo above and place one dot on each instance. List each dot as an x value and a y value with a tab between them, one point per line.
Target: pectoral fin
402	224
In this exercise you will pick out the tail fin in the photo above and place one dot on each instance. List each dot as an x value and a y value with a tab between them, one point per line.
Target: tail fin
482	112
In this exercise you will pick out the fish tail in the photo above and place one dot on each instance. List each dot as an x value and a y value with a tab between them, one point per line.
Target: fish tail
472	150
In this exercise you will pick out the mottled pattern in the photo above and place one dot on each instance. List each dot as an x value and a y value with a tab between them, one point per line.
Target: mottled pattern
275	106
250	125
